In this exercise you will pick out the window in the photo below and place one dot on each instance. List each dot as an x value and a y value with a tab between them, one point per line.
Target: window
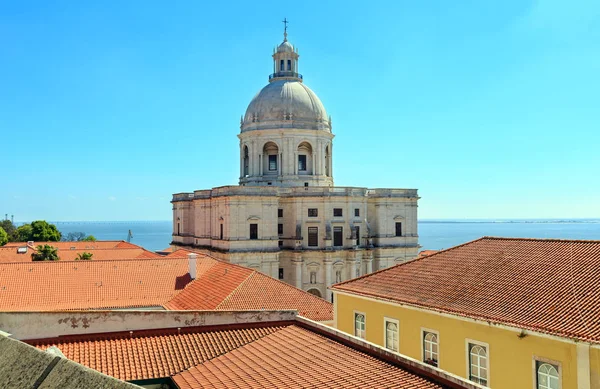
302	163
280	243
359	325
313	212
280	212
289	68
253	231
178	228
430	348
281	66
357	235
337	212
280	229
281	273
313	236
547	375
398	229
391	334
272	162
221	233
478	370
356	212
338	236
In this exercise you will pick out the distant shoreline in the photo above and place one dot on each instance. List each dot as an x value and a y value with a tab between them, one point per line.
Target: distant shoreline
425	221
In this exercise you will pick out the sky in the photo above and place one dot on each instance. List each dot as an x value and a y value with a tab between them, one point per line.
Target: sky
489	108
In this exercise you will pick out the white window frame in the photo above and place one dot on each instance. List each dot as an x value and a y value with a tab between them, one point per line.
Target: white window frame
468	360
537	359
437	333
354	324
397	323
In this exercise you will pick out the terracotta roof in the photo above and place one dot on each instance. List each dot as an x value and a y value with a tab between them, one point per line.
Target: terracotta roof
153	353
98	284
295	357
543	285
48	286
67	251
424	253
180	253
230	287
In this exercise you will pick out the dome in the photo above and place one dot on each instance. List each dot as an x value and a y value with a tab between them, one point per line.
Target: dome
285	47
285	104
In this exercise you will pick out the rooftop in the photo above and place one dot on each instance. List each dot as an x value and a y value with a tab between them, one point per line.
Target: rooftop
544	285
149	283
208	349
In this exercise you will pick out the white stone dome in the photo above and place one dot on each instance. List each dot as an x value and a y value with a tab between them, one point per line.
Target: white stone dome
285	47
285	103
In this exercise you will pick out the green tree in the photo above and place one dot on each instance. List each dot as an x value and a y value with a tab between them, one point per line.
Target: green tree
42	231
89	238
23	233
3	237
45	253
10	229
84	256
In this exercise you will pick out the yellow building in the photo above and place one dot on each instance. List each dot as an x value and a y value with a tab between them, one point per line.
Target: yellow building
505	313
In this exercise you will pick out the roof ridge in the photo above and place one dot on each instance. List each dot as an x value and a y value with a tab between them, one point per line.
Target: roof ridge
540	239
96	260
406	262
252	272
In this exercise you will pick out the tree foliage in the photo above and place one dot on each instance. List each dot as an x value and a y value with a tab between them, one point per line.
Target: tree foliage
10	229
3	237
23	233
42	231
45	253
85	256
78	237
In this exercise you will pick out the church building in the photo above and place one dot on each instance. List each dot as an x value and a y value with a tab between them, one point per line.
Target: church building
286	218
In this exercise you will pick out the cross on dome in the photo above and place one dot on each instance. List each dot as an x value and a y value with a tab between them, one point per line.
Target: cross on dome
285	23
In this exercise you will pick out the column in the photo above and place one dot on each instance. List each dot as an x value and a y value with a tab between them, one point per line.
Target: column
279	167
241	161
369	263
295	162
260	163
327	264
314	164
298	270
583	366
352	265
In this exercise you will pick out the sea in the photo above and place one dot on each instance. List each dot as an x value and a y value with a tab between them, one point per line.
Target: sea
433	234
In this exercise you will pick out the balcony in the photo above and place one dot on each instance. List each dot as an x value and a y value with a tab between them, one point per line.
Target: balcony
285	74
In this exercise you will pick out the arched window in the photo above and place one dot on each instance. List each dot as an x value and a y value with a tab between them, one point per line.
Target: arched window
246	161
391	335
478	370
430	348
547	376
359	325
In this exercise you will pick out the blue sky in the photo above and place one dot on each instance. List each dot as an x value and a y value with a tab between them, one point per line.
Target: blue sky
489	108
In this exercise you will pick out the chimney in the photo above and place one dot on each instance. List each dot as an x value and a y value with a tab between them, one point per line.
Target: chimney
30	243
192	264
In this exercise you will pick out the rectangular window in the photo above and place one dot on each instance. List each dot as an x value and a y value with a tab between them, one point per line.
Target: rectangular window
338	236
356	212
280	243
280	212
253	231
359	325
221	233
478	366
430	348
272	162
357	235
302	163
313	236
281	65
289	68
547	375
281	273
313	212
391	334
398	229
337	212
280	229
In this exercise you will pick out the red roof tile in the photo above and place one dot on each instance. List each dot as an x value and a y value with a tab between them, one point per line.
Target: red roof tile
155	353
47	286
544	285
294	357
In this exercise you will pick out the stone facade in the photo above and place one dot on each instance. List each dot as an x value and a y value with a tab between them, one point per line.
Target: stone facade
286	218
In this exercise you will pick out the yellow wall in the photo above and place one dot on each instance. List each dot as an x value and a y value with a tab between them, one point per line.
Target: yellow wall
595	368
510	358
